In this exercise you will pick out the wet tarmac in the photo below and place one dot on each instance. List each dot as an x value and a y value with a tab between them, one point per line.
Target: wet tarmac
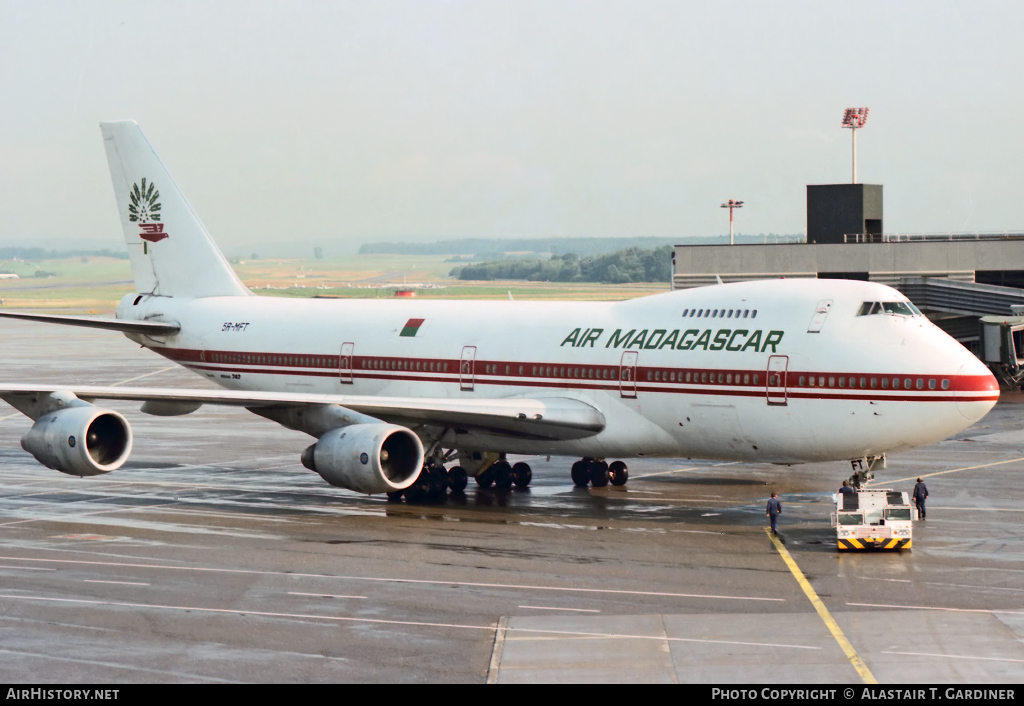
213	555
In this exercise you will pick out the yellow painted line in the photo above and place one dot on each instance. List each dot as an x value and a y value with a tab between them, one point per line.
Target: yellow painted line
953	470
830	622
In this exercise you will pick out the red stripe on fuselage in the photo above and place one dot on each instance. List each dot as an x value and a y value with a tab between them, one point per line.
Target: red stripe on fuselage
978	387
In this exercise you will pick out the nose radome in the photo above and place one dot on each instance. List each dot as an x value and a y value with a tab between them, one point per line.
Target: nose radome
980	393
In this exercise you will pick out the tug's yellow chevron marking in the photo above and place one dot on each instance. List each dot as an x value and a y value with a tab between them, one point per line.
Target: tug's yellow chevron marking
830	623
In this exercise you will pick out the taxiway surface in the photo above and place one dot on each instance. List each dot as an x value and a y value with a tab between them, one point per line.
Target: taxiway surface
213	555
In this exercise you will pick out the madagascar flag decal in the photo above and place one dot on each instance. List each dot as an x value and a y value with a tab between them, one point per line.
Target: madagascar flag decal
412	327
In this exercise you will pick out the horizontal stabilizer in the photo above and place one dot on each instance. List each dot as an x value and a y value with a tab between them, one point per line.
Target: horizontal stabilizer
152	328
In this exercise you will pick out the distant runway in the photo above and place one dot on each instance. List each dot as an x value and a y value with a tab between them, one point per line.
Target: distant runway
213	555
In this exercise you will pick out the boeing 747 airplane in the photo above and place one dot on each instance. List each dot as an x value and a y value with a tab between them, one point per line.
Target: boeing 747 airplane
780	371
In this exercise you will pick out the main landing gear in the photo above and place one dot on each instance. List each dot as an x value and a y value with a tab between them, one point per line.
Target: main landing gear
598	473
503	475
433	481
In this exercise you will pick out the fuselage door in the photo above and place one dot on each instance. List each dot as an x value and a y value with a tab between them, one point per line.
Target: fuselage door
776	390
820	314
627	374
345	363
466	374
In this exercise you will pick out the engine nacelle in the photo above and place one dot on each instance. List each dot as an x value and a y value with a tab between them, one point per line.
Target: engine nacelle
80	441
367	458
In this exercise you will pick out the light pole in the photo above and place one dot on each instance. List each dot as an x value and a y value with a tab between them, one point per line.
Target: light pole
854	118
731	205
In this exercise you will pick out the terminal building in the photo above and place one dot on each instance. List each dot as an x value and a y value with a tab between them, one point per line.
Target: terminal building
955	279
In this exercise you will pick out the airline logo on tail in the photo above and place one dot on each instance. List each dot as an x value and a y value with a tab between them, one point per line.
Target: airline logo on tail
145	210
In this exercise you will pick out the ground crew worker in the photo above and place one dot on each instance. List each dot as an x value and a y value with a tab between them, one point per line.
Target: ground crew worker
773	510
920	495
846	487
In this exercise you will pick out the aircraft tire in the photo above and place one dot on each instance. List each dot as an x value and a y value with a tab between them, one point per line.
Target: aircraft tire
486	479
522	474
395	495
599	474
438	482
457	479
580	474
502	475
422	489
618	473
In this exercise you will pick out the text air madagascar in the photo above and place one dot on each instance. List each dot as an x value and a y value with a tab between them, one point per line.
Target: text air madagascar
680	340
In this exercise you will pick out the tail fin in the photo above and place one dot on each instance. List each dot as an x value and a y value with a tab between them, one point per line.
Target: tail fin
172	255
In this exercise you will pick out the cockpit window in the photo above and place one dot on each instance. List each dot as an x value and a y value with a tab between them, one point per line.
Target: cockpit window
900	308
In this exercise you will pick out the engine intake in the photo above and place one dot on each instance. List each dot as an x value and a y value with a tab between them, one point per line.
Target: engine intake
80	441
367	458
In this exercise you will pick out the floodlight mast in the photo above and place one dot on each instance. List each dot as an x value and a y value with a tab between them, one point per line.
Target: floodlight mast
854	118
731	204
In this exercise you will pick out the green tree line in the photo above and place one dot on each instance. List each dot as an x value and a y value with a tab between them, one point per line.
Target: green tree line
629	265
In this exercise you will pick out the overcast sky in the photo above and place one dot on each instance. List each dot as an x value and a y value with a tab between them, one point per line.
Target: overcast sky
353	122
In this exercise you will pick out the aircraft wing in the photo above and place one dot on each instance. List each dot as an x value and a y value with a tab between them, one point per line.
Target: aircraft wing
146	327
554	418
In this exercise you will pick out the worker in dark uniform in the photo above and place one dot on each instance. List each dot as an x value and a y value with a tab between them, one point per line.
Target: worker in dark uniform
920	495
846	488
773	510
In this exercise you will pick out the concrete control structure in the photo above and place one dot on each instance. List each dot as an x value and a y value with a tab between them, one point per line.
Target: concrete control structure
954	279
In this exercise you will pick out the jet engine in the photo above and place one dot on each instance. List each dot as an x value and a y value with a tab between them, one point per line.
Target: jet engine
367	458
80	441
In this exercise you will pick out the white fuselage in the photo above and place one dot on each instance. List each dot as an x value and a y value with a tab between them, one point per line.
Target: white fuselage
719	382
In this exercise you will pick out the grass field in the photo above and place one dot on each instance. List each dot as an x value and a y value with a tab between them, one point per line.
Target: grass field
95	284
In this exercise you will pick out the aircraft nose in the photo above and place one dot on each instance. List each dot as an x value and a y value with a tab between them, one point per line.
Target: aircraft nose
976	390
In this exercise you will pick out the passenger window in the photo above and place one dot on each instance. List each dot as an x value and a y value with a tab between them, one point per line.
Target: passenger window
842	382
803	381
885	383
703	377
863	383
746	379
874	383
810	381
753	314
687	376
745	313
730	314
920	384
756	378
831	382
714	313
895	383
534	370
672	377
684	312
657	375
906	383
931	384
945	384
721	378
728	378
614	375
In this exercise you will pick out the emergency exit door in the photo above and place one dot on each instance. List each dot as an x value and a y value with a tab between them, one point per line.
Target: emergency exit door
345	363
777	368
466	368
627	374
